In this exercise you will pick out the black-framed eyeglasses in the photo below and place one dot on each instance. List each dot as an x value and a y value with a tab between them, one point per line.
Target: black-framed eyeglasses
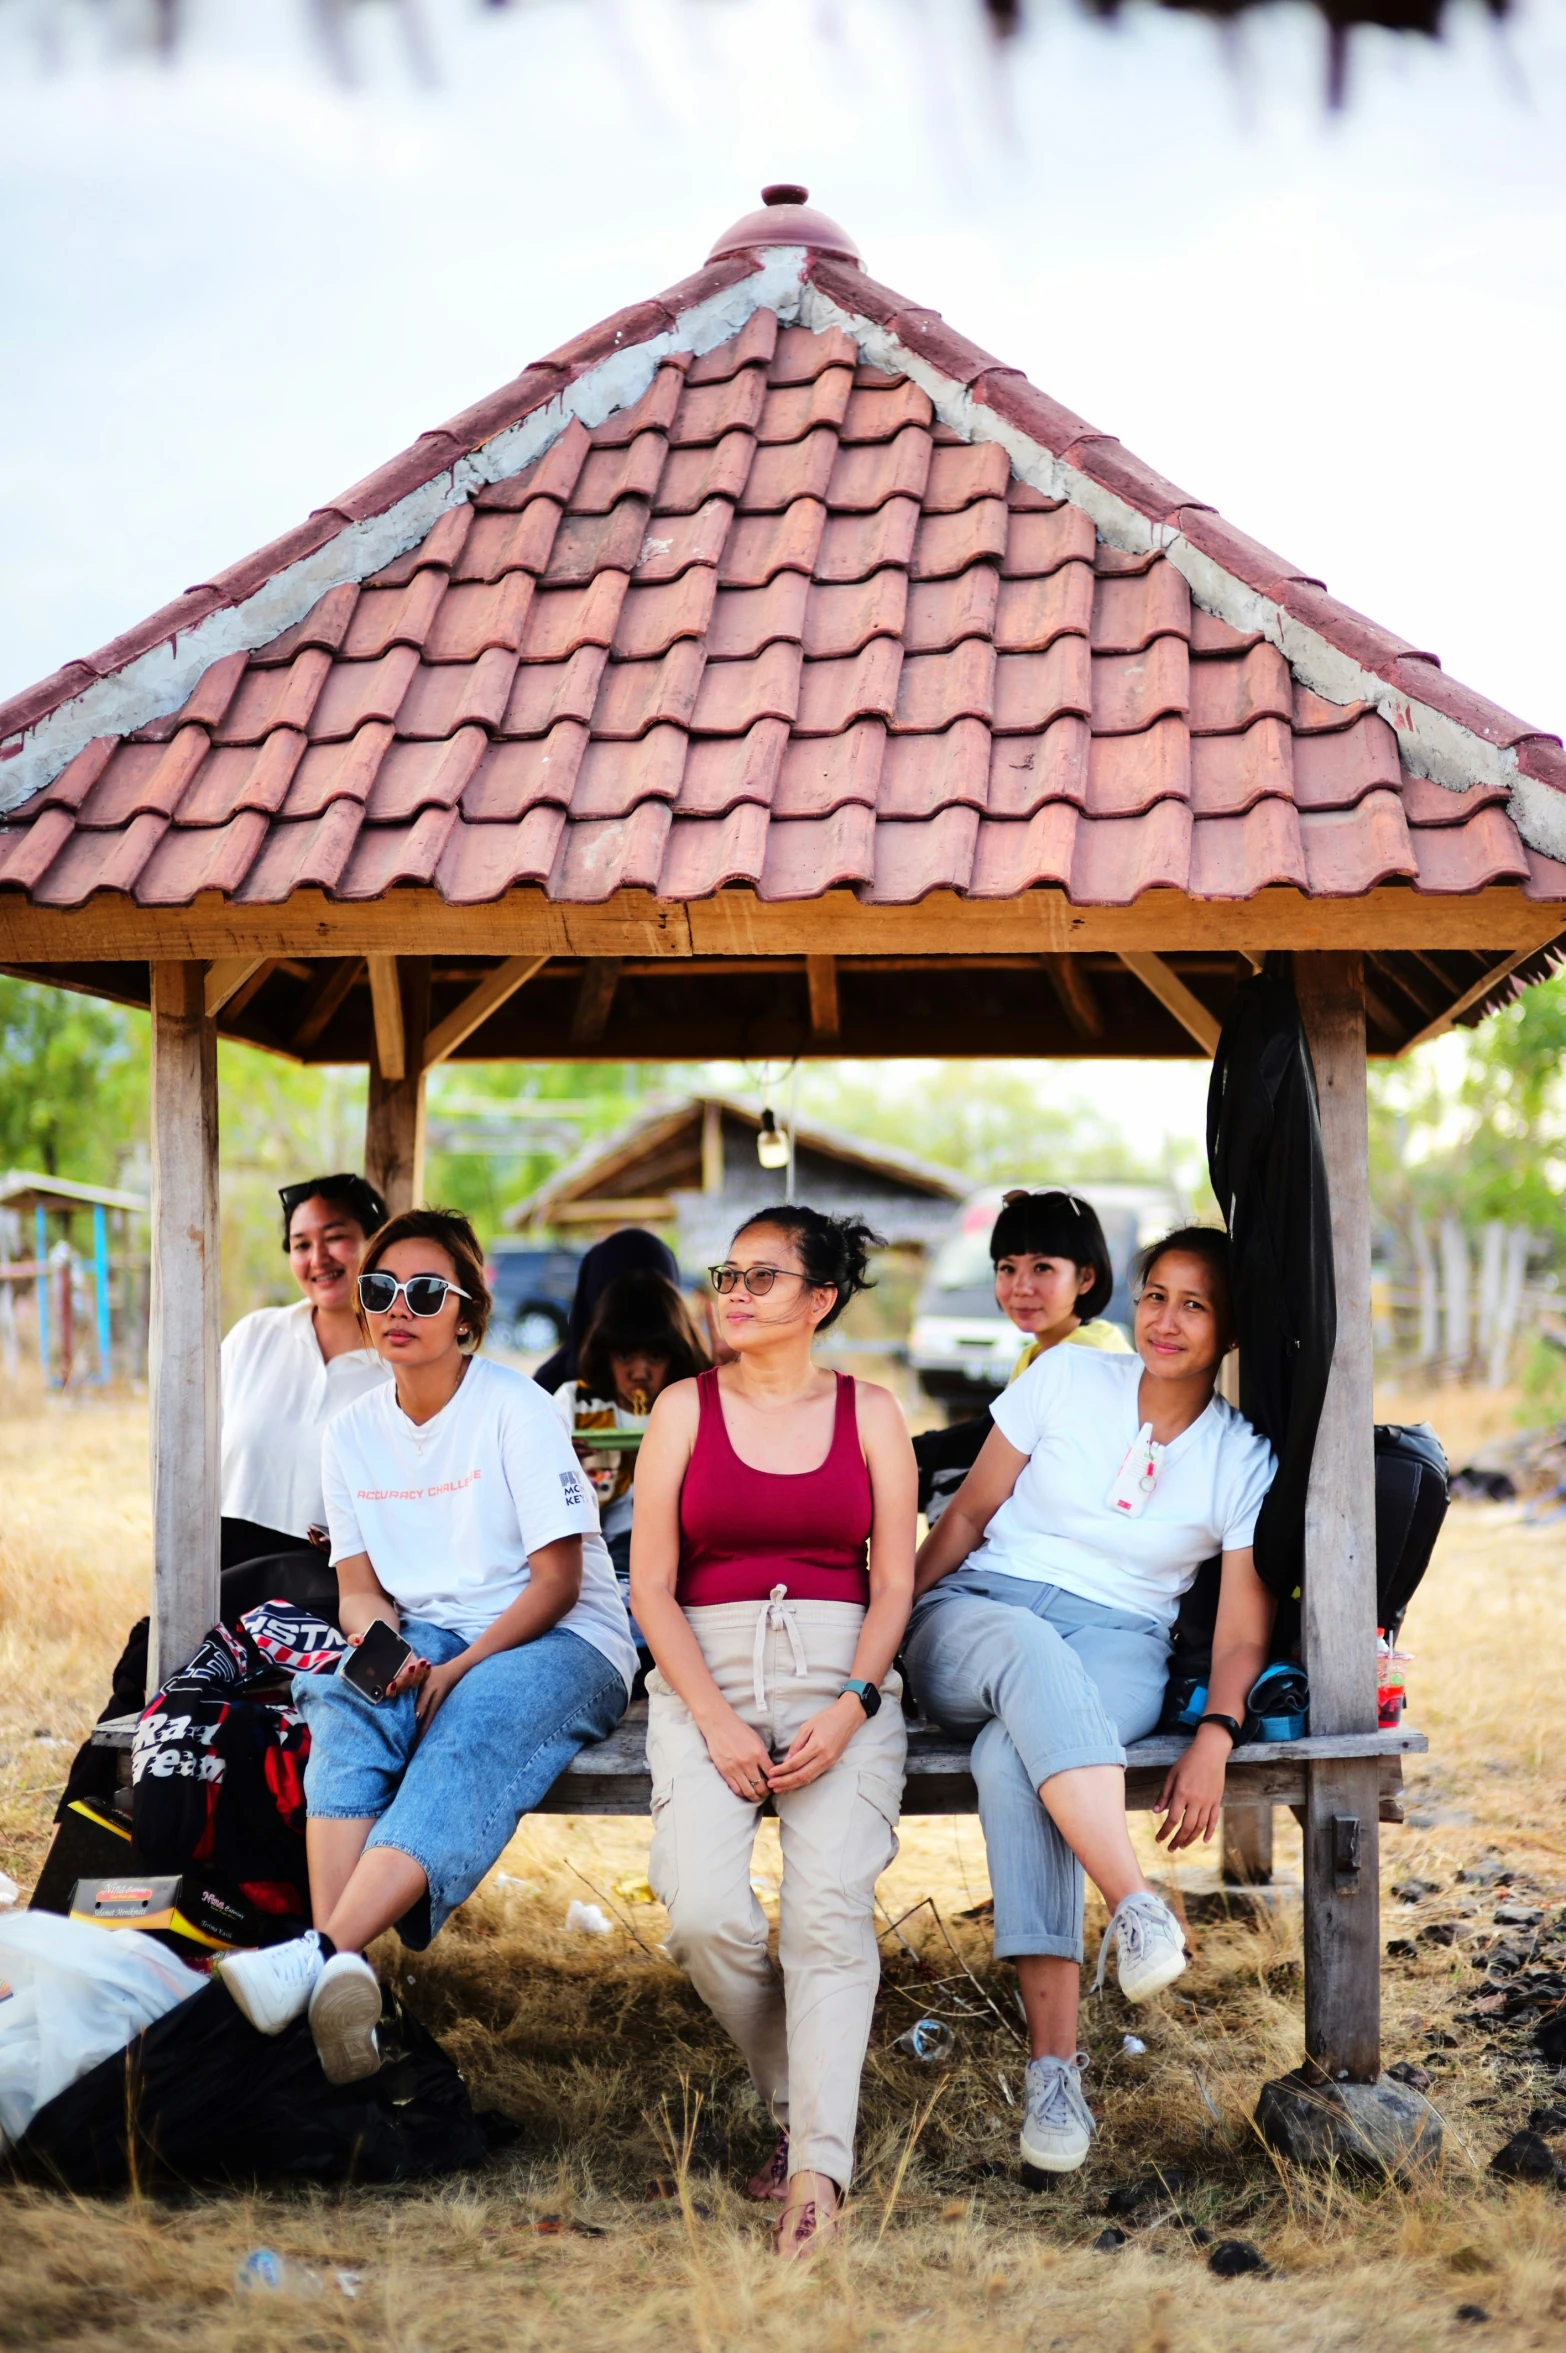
758	1280
425	1294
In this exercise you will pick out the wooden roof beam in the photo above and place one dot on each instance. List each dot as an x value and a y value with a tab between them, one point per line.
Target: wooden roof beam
595	1000
825	1016
1470	996
1163	982
231	983
1071	985
476	1007
330	991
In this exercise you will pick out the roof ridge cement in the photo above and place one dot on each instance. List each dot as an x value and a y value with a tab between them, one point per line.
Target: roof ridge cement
1432	743
159	681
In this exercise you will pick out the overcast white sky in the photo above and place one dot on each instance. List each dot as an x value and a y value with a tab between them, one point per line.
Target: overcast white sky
230	287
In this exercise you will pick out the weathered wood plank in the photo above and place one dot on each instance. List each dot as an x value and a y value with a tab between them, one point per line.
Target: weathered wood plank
736	922
1245	1844
594	1000
233	981
1339	1598
394	1117
1343	1919
825	1016
391	1043
1342	1804
183	1342
1172	993
493	991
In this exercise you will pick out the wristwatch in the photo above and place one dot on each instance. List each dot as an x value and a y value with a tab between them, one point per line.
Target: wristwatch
1230	1726
867	1695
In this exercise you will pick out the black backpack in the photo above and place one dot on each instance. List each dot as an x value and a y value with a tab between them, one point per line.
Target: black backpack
1411	1499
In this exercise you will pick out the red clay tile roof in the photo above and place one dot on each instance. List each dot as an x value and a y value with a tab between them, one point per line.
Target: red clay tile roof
774	580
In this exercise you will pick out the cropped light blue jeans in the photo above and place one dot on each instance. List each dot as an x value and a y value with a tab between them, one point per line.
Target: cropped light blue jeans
453	1799
1049	1681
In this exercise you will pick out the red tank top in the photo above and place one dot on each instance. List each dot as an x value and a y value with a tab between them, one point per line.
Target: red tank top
743	1531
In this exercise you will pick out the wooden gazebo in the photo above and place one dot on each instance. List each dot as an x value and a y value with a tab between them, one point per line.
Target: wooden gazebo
771	671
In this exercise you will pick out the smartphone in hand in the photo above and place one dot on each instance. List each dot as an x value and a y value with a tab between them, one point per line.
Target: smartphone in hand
376	1660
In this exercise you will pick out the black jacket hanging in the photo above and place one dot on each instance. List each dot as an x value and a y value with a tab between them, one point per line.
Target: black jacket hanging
1269	1173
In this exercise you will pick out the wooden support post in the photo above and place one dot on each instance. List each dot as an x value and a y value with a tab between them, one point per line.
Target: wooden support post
1245	1855
825	1018
1342	1798
183	1347
394	1119
711	1148
595	1000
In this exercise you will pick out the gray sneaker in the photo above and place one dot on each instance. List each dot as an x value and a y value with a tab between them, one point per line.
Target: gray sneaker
1151	1945
1057	2126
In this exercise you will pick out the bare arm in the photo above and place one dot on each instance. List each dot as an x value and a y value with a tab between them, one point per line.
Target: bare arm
740	1754
362	1598
894	1489
960	1528
1192	1795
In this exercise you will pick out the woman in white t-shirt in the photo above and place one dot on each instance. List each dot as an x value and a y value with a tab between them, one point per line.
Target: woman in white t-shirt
459	1516
286	1371
1048	1591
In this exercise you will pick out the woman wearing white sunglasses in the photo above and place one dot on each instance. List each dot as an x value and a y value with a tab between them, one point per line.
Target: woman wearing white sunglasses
460	1518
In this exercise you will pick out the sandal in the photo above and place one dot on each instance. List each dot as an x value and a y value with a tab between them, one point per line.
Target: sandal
770	2181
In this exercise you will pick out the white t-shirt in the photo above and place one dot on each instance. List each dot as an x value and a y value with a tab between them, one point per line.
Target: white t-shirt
448	1510
1074	1414
279	1393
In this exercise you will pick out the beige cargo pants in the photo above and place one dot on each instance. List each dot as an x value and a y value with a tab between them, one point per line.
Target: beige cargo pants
777	1663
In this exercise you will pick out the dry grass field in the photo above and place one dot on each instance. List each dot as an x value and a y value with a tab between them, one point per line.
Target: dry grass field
601	2053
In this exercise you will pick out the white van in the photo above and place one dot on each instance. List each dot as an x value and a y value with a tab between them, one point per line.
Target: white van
961	1346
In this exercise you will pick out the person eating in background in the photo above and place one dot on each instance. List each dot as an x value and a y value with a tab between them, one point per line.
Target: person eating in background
631	1251
641	1338
287	1371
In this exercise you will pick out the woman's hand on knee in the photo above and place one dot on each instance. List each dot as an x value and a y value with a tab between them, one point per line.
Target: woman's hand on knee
1191	1799
741	1755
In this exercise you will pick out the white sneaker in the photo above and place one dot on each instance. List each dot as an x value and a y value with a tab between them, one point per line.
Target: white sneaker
274	1984
345	2009
1057	2124
1151	1946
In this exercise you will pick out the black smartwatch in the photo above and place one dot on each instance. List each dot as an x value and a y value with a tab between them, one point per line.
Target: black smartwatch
1229	1725
867	1695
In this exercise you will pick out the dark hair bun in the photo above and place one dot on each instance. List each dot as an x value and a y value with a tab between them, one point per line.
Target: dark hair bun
833	1250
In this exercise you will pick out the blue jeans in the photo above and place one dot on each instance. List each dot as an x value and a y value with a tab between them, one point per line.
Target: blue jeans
1051	1682
498	1742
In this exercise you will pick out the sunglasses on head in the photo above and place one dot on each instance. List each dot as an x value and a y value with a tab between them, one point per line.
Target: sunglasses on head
425	1294
758	1280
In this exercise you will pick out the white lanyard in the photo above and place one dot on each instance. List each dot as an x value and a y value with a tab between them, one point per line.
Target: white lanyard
1137	1475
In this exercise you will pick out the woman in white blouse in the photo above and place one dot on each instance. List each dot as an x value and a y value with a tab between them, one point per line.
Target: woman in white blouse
287	1371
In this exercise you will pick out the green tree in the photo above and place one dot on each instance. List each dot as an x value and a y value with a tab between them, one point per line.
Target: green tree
73	1083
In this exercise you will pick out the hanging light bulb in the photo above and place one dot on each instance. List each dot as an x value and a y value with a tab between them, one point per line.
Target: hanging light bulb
771	1143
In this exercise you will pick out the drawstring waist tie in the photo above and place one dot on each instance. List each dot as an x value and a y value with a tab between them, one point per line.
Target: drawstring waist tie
775	1612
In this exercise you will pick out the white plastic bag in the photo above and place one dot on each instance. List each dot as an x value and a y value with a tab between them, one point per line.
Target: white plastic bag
71	1995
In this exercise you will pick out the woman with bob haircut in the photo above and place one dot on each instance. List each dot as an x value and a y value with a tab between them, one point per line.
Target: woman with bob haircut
458	1517
1053	1278
771	1573
1047	1593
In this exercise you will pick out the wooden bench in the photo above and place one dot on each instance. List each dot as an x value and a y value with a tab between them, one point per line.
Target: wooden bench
610	1776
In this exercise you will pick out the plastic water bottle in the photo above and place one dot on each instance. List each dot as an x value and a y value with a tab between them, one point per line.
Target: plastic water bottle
279	2275
929	2039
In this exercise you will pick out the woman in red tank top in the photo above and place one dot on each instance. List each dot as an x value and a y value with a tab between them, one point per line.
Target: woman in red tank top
771	1575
